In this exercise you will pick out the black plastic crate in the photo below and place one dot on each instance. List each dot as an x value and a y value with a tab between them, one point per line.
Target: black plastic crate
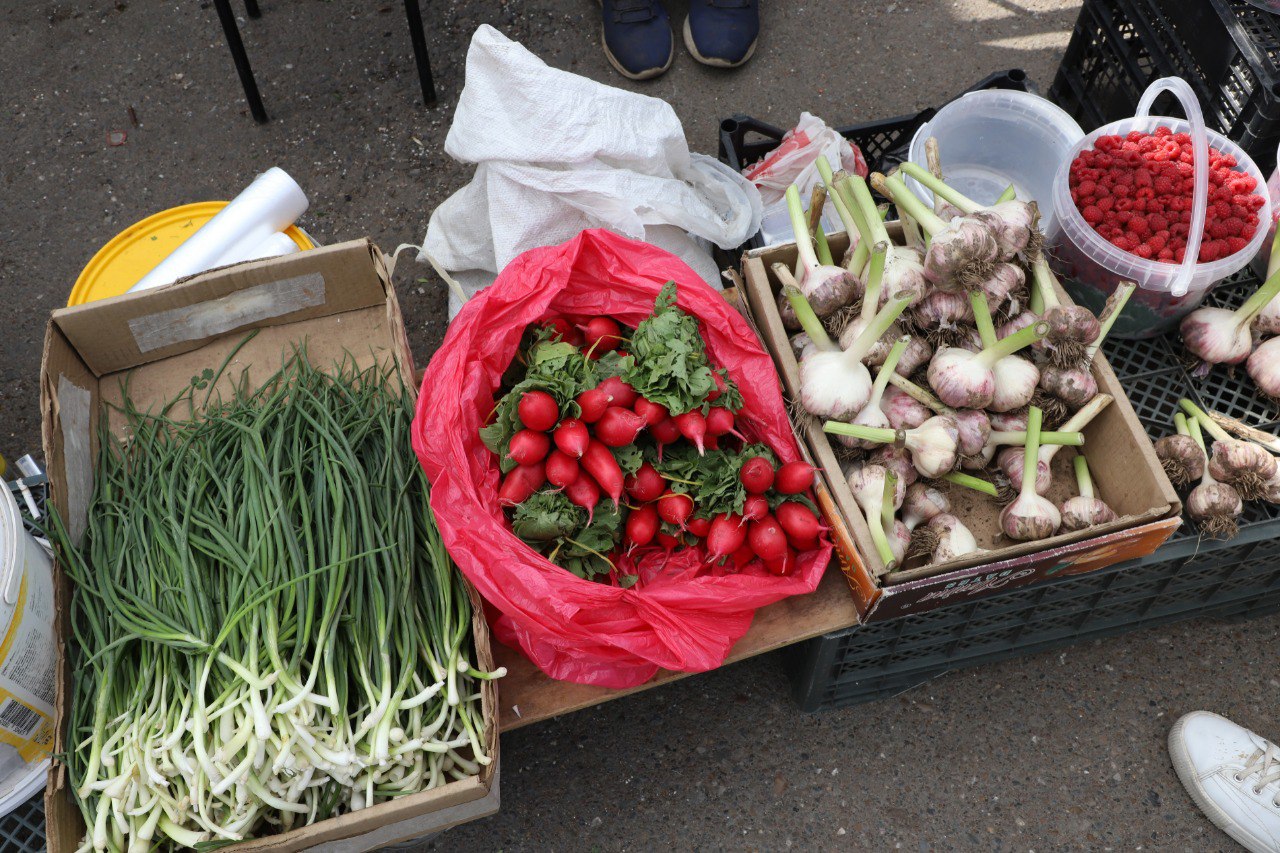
1187	577
22	830
1225	49
884	143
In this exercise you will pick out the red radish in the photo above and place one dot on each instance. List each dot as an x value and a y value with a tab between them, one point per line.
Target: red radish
756	475
711	442
600	335
803	545
528	447
675	508
521	482
562	469
720	422
725	537
665	432
593	402
714	393
600	464
693	426
653	413
566	330
699	526
585	493
767	538
798	521
619	427
666	540
743	555
538	410
794	478
642	525
572	437
783	565
754	508
646	484
623	394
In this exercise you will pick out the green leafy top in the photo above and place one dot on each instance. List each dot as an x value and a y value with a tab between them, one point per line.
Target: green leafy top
670	360
711	480
559	529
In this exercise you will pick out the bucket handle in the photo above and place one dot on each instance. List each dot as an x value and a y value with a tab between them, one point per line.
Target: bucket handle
1200	158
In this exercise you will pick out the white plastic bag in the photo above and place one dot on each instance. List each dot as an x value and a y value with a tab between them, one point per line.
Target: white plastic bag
794	161
556	153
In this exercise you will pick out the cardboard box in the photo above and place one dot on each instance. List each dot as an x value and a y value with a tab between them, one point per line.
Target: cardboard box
337	299
1123	463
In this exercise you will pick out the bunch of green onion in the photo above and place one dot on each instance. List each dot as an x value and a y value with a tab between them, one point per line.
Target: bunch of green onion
268	629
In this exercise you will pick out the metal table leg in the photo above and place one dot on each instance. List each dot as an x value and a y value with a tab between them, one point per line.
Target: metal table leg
251	6
419	39
241	59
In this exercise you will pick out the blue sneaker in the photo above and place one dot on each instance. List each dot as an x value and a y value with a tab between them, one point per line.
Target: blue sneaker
722	33
637	37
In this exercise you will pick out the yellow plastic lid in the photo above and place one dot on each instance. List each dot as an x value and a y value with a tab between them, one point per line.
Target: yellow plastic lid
135	251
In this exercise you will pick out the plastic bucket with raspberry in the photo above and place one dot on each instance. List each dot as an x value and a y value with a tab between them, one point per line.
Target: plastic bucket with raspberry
1129	207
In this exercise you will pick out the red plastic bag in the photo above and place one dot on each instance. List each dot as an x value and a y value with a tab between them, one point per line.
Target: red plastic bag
678	618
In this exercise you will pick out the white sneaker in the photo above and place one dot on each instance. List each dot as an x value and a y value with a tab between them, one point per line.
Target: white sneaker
1233	775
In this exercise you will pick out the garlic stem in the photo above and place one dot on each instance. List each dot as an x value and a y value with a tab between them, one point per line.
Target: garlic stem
933	158
886	500
880	435
1273	262
1194	426
1242	429
1045	285
875	523
982	317
1083	481
1009	194
941	188
1180	424
824	248
1077	423
875	275
971	482
860	254
879	324
906	201
887	370
1024	337
1255	303
867	208
920	395
804	313
1110	312
801	229
817	201
1210	425
1055	437
912	232
851	226
1031	454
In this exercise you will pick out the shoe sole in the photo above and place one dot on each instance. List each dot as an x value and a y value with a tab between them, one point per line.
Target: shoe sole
631	75
711	60
1187	776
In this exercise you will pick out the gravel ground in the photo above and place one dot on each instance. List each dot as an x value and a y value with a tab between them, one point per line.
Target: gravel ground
1054	752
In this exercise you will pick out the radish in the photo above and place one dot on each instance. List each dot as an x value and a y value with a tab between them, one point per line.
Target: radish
565	330
798	521
572	437
562	469
782	565
756	475
714	393
585	493
619	427
767	538
720	422
794	478
528	447
743	555
600	335
593	403
665	432
693	426
754	508
699	526
538	411
653	413
623	394
521	482
675	508
646	484
725	536
598	461
666	540
642	525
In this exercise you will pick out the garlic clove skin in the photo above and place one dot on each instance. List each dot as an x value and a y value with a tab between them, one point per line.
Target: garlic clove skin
897	460
960	257
802	345
903	410
1005	288
832	388
899	540
1074	386
933	446
879	350
1015	383
1080	513
940	309
1215	508
1268	320
1010	461
1181	458
960	380
916	355
974	431
871	416
1030	517
954	539
866	481
1015	421
904	273
1072	323
1243	464
923	503
1215	336
1272	490
829	289
1263	364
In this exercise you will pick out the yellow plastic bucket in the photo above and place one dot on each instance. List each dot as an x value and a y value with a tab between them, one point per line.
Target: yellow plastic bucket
135	251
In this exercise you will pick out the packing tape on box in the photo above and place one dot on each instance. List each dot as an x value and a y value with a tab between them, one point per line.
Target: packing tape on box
270	204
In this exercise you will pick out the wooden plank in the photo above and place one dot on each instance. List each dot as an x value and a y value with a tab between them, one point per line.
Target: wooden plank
527	696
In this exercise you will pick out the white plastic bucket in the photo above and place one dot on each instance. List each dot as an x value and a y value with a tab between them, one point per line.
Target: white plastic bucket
1091	267
28	659
992	138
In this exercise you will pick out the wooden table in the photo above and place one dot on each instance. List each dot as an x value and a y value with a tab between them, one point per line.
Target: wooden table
527	696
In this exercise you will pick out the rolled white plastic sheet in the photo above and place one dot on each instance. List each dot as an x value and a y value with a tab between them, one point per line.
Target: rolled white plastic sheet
273	247
270	204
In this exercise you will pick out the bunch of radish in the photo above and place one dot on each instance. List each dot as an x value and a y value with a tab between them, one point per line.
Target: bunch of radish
952	353
595	470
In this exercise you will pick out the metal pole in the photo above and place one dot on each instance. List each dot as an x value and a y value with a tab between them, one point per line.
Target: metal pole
419	39
241	59
251	6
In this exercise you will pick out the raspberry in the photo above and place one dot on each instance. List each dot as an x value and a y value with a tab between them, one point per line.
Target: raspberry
1236	244
1088	188
1231	227
1157	222
1092	215
1165	255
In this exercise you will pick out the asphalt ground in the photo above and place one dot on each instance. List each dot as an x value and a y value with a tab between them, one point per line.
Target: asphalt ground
1058	751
